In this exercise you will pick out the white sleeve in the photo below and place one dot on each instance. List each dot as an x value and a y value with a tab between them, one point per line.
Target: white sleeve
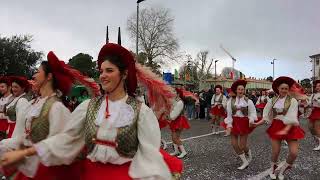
15	141
252	112
148	162
292	115
266	111
176	110
21	110
258	101
67	140
228	120
224	102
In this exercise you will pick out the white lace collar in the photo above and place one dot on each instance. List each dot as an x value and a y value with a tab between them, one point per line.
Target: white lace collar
121	114
241	102
36	107
15	100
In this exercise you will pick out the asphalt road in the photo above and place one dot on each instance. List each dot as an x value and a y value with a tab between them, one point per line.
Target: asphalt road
212	157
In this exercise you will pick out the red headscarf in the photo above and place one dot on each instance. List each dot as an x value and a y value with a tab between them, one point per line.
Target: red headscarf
66	76
21	81
126	57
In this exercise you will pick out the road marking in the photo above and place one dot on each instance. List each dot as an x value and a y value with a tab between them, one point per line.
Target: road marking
261	175
195	137
266	172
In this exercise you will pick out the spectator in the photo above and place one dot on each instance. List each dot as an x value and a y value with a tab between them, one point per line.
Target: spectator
84	95
253	97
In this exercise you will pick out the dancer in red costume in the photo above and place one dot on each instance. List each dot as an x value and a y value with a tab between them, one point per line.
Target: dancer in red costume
218	106
314	118
6	98
261	102
15	110
282	110
121	135
240	121
34	135
178	123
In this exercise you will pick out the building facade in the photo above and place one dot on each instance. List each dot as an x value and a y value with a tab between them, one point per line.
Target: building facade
315	59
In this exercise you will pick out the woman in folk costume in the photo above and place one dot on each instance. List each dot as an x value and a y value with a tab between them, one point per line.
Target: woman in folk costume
218	106
178	123
314	118
45	117
282	110
262	100
120	134
240	121
16	109
7	97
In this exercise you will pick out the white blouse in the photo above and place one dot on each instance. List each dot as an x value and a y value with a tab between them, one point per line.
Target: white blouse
216	98
177	109
58	117
239	103
22	104
314	100
262	99
291	116
3	102
147	163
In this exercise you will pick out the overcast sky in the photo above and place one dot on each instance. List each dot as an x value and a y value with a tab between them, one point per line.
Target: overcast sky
254	31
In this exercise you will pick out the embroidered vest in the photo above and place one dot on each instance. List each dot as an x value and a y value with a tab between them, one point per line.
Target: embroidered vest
287	104
219	100
11	111
244	110
127	137
4	106
40	125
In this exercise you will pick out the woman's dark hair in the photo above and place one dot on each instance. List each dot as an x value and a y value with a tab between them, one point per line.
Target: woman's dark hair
117	61
46	68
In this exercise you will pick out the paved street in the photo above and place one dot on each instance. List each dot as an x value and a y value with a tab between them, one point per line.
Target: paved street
212	157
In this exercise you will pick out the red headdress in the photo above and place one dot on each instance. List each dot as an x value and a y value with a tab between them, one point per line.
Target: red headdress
22	82
111	49
6	80
295	89
66	76
316	82
235	85
159	95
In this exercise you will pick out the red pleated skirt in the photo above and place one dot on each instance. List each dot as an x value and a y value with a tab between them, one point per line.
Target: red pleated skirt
175	164
315	115
295	133
99	171
218	111
240	126
63	172
180	123
162	123
11	127
4	125
261	106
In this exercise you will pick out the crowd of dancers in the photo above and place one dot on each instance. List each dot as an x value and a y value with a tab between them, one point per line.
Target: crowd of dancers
116	136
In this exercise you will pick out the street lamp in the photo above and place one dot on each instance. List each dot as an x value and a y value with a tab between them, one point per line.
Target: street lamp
215	69
137	41
273	68
313	71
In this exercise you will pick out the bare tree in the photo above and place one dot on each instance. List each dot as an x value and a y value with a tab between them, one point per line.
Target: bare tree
203	64
156	37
